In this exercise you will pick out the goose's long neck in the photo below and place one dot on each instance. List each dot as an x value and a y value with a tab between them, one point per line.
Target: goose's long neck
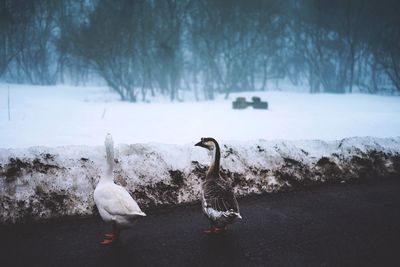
109	176
213	170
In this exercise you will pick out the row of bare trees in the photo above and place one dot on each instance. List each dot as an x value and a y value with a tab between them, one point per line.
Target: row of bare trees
149	47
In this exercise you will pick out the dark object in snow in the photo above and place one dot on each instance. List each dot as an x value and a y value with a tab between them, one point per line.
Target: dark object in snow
258	104
241	103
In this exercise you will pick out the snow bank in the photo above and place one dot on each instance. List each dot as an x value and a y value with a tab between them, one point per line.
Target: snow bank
42	182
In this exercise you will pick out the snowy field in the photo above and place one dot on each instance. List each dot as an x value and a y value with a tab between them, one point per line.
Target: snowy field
262	150
65	115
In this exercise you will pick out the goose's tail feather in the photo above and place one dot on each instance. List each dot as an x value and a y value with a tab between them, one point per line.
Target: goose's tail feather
232	214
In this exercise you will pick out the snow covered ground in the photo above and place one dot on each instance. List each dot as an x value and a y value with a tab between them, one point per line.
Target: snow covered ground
65	115
52	153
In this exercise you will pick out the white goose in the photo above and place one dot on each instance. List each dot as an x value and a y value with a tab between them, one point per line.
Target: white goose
114	203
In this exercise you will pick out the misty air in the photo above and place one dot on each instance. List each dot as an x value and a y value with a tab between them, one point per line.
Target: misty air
199	132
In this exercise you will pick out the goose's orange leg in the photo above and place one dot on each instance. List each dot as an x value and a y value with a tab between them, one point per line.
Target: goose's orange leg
111	238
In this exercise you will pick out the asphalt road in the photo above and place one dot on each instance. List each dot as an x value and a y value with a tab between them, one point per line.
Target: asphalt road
334	225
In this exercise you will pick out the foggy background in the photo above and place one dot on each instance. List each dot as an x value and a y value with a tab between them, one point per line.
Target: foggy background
147	48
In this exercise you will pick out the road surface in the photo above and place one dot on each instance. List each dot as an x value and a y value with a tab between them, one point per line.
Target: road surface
333	225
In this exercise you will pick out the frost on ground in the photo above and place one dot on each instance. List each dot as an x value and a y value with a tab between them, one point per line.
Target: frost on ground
41	182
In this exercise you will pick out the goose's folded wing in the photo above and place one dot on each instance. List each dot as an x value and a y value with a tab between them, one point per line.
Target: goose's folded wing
117	201
220	197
